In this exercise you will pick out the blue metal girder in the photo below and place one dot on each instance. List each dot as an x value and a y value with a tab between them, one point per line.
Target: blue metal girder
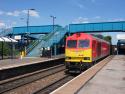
34	29
98	27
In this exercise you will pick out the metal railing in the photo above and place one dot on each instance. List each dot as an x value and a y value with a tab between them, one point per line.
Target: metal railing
41	39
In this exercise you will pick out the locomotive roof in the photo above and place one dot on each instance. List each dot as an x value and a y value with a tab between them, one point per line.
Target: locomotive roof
100	39
88	35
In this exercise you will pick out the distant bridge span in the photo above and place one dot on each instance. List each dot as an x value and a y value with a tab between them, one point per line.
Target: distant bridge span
118	26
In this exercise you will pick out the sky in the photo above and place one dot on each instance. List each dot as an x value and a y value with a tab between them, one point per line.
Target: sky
14	12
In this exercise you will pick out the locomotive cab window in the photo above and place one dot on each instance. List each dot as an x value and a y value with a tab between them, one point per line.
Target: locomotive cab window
71	43
84	43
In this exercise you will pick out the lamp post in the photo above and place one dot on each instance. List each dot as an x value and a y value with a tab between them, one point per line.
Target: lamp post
28	14
53	21
27	29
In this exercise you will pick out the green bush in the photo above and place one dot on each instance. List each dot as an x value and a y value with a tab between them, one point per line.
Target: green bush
6	49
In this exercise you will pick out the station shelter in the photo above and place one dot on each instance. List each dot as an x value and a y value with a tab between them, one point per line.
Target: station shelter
7	46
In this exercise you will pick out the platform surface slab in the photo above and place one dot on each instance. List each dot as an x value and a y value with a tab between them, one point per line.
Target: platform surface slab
109	80
11	63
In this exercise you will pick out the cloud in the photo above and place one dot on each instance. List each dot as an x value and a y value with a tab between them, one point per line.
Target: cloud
77	3
97	17
10	23
112	20
14	23
88	20
7	24
1	12
2	24
118	19
82	4
81	20
32	13
15	13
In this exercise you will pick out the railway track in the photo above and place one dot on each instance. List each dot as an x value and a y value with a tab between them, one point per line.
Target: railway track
40	82
54	85
16	83
59	83
16	70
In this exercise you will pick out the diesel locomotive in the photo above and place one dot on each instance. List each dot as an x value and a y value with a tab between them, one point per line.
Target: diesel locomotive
82	50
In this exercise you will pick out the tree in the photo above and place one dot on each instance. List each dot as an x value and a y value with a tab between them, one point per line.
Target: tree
108	38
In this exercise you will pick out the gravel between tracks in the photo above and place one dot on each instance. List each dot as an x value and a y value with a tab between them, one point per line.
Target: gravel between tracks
55	85
37	85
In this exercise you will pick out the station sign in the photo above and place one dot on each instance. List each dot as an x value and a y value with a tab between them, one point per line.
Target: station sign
18	37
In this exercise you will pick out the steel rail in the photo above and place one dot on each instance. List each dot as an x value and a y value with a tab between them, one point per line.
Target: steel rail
15	82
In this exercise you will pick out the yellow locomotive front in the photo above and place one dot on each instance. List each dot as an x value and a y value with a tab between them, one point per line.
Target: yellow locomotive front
78	52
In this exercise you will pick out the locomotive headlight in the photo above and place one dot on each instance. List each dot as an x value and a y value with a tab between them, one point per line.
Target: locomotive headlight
86	58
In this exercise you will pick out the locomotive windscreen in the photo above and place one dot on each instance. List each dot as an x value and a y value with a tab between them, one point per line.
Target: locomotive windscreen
83	43
71	43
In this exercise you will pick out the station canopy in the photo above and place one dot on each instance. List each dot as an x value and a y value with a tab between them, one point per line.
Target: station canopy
6	39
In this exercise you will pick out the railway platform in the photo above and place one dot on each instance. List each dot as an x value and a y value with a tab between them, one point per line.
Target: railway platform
109	80
13	63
